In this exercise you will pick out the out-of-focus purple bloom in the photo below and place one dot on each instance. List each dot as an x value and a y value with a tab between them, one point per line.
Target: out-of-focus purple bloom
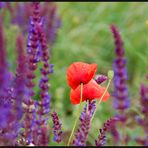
5	105
107	127
2	4
144	99
57	127
20	76
142	141
51	68
144	109
3	66
115	134
121	100
22	12
8	124
138	119
53	24
18	92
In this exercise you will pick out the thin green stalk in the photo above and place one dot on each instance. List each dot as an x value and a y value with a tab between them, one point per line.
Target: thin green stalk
87	109
78	114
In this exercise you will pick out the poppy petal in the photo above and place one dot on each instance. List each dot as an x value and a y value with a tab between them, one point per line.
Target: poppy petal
75	97
80	72
106	96
91	91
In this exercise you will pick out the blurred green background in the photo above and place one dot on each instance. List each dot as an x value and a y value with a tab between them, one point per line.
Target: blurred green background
85	36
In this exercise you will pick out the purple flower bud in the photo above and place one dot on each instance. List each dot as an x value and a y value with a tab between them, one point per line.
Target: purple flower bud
101	79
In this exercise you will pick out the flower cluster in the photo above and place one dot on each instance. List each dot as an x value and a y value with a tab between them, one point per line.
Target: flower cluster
20	13
23	119
32	45
9	118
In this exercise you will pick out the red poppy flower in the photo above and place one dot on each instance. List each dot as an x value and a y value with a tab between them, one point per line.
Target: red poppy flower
91	91
80	72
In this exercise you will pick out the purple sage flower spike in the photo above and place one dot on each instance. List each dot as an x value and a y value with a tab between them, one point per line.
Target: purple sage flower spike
43	105
121	100
2	4
20	13
82	132
7	115
143	122
28	102
57	127
107	127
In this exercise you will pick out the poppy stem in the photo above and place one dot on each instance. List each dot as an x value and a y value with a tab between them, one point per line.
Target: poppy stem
100	100
87	106
78	114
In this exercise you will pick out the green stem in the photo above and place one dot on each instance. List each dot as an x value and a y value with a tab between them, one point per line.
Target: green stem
87	106
100	100
78	114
